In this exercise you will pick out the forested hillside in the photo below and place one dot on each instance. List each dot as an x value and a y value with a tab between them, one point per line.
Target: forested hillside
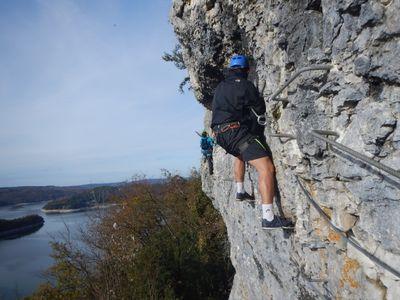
164	241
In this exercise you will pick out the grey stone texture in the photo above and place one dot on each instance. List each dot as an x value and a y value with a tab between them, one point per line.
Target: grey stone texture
359	99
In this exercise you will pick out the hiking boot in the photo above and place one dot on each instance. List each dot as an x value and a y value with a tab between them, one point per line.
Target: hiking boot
244	196
277	222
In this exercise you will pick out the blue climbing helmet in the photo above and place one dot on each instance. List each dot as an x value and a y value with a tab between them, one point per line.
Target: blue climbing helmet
239	62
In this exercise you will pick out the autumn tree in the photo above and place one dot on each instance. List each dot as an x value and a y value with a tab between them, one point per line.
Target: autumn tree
163	241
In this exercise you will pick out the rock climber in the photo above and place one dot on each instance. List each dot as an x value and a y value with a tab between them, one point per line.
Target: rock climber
206	145
238	132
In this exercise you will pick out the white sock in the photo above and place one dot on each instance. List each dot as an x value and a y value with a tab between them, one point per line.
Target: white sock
267	212
240	187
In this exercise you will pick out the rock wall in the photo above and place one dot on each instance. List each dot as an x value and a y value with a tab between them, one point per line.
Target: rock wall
359	98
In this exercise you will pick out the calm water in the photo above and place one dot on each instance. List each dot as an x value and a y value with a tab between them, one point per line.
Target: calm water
23	260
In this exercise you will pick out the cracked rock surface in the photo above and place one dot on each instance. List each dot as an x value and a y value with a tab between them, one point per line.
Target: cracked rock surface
359	98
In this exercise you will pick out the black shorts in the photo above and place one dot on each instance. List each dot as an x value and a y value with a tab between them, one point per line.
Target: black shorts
232	140
257	148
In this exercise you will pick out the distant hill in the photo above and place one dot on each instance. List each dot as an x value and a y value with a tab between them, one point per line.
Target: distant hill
95	185
98	196
30	194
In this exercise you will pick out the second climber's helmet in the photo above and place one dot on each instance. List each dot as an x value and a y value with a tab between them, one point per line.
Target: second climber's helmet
239	62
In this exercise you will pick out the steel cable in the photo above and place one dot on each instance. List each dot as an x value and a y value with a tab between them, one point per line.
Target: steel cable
351	240
365	159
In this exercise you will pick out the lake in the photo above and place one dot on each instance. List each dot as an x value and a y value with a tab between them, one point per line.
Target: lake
23	260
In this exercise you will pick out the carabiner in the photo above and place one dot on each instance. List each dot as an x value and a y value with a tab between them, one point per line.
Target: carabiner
261	119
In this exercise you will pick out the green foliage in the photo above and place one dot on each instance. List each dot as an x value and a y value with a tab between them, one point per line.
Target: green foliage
176	57
184	82
164	241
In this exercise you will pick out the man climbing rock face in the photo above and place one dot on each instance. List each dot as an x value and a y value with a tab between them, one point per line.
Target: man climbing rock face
238	132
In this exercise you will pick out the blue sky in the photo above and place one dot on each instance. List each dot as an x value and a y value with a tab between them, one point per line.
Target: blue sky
85	96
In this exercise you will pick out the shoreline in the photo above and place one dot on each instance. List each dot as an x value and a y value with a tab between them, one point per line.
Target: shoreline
74	210
22	204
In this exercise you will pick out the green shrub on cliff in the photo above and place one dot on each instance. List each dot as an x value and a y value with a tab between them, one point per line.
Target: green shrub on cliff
165	241
176	57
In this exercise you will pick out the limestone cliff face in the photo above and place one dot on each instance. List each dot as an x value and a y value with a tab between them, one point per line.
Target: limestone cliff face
359	98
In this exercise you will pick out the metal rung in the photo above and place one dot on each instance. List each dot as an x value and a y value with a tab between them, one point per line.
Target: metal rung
295	75
327	132
283	135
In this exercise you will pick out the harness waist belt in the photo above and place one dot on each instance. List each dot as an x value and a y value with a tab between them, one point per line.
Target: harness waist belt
221	128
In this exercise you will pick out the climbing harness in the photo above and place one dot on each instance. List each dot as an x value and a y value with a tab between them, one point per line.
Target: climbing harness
344	235
225	127
245	141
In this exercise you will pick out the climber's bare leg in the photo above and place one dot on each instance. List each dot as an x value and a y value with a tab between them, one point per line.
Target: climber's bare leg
266	178
239	169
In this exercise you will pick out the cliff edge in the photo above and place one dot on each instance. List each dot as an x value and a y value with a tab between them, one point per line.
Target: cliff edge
359	99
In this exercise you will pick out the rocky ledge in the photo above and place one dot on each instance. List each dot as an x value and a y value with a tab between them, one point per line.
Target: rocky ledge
359	98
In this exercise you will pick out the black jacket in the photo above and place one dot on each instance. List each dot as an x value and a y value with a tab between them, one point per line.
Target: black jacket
232	101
